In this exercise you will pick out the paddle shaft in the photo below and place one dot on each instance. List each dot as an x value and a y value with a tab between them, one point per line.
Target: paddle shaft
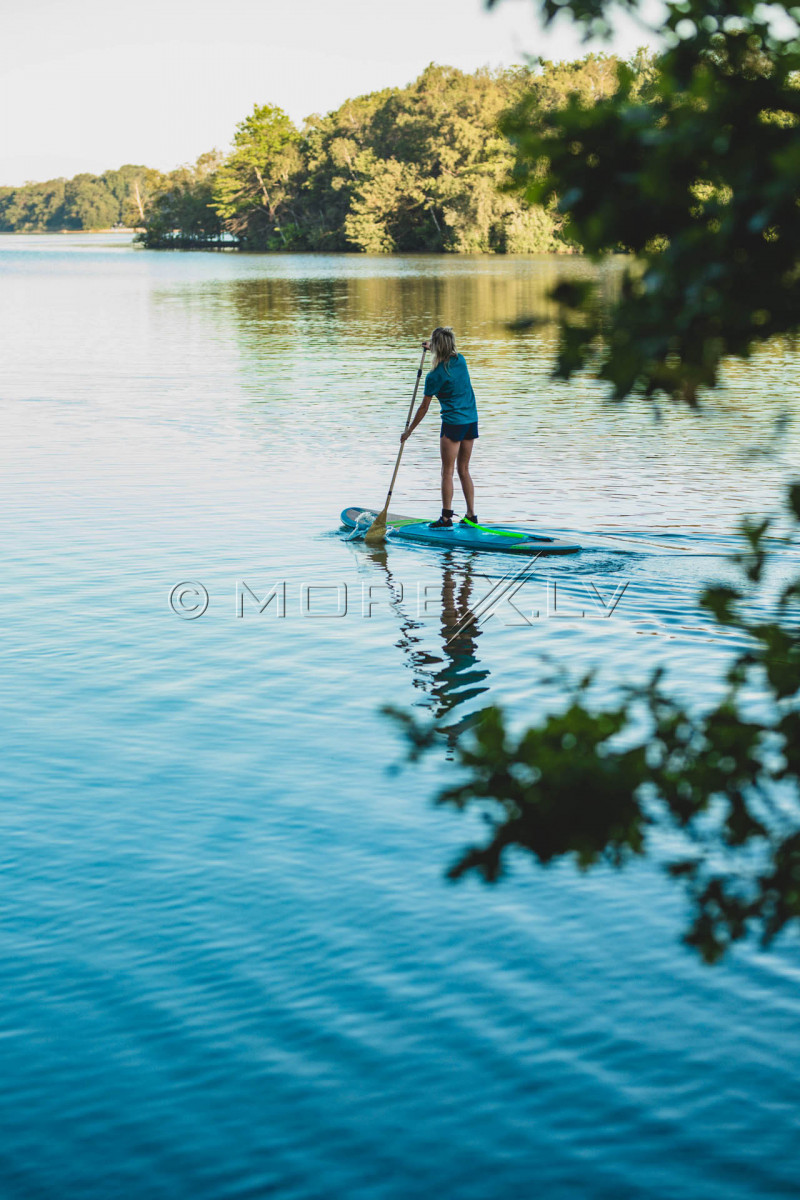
402	444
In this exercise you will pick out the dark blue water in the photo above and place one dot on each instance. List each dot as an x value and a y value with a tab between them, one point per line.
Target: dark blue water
230	963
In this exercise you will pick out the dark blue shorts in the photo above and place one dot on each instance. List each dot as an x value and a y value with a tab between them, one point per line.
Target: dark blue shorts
460	433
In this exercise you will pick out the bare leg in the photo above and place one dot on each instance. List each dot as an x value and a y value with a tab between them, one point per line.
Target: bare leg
448	450
467	486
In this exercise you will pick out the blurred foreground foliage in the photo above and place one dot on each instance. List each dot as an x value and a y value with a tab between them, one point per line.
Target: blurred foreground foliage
721	787
692	166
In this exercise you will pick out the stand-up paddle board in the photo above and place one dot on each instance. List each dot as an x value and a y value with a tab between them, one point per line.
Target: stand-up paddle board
508	539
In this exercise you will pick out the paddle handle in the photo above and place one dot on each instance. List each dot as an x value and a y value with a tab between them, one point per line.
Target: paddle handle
408	422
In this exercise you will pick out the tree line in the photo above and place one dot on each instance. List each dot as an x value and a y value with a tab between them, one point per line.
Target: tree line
427	167
83	202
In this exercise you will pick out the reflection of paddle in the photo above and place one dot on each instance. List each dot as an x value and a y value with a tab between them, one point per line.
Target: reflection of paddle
377	530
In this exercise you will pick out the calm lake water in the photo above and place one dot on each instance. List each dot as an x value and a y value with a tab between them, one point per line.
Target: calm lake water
231	965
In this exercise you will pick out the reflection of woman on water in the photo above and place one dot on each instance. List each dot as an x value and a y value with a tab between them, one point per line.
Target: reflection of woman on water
449	381
453	678
461	678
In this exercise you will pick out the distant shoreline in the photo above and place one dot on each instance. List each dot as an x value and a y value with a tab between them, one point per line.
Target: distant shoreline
61	232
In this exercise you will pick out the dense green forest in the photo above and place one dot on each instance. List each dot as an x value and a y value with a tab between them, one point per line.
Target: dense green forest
83	202
420	168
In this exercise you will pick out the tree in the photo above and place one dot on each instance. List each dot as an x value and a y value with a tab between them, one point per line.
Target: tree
181	212
384	204
88	204
418	168
132	187
335	171
445	123
694	168
35	206
255	186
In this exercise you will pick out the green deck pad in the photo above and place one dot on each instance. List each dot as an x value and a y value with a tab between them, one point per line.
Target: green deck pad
496	532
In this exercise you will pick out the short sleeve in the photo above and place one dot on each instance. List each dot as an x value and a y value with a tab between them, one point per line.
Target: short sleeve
432	382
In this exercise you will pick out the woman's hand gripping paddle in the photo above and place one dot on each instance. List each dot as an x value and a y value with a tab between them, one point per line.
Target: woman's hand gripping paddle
377	530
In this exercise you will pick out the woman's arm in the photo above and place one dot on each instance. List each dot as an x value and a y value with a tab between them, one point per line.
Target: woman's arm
418	415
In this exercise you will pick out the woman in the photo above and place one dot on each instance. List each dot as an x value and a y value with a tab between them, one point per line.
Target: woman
449	381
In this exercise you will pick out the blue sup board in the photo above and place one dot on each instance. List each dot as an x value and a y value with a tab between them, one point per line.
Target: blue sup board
508	539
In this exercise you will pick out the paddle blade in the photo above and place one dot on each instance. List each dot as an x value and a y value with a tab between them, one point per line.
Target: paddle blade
377	530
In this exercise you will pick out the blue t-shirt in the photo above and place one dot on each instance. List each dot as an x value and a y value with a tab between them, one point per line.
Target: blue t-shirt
451	384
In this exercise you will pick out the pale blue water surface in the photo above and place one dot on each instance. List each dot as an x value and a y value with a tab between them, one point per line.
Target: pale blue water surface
230	963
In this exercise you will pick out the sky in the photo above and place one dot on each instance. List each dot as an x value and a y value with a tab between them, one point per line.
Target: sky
90	85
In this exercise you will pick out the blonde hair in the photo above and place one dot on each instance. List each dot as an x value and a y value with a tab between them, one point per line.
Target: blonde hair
443	344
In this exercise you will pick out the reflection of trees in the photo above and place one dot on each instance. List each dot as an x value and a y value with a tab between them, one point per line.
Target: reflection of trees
334	314
452	678
334	301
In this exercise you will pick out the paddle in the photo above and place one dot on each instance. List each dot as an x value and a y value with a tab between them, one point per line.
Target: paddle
377	530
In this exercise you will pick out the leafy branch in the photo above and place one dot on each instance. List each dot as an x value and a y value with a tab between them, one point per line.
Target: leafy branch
693	168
